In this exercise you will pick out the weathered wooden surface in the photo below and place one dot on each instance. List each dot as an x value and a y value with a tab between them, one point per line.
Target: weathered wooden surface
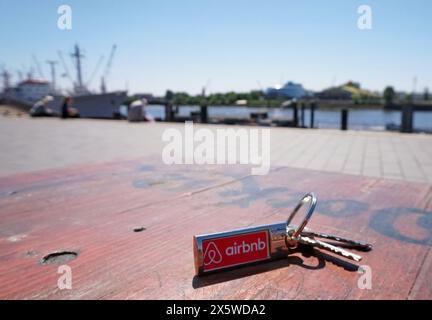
93	210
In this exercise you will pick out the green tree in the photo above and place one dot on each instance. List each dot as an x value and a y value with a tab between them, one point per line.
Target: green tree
256	95
409	98
389	96
231	97
426	94
169	95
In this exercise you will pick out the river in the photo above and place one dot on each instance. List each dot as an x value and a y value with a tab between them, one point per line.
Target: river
362	119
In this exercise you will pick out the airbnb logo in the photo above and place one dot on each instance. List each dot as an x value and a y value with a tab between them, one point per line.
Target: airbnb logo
212	254
235	250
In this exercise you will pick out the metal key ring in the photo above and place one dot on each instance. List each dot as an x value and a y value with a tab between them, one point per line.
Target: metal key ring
310	197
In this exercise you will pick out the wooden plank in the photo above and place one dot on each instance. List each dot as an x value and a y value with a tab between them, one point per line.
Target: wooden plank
93	210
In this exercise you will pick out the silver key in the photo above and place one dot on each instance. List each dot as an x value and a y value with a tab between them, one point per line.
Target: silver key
324	245
359	245
308	237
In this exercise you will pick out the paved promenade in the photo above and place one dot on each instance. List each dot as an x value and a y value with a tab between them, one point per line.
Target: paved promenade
36	144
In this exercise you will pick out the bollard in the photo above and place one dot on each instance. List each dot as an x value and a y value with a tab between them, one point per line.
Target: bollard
407	119
344	119
168	108
169	112
312	114
302	115
295	116
204	114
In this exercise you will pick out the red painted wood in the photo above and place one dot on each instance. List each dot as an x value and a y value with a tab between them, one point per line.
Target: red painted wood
93	210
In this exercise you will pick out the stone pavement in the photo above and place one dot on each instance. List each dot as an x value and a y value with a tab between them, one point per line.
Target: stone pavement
36	144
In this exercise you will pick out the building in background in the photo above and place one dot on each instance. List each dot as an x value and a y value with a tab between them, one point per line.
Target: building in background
350	91
289	90
342	92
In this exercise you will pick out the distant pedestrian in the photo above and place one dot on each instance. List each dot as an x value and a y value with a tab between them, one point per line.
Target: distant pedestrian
67	110
65	107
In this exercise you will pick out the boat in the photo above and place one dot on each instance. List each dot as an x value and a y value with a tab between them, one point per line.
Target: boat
88	104
103	106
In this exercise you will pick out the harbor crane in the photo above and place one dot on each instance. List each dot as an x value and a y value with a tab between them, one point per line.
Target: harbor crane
20	75
52	65
6	78
205	88
38	66
65	68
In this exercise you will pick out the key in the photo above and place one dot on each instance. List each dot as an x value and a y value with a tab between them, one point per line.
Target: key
359	245
324	245
308	237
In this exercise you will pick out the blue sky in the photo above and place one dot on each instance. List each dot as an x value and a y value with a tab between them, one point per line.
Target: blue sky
236	44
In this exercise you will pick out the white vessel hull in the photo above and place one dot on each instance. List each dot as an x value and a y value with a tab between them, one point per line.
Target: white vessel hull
104	105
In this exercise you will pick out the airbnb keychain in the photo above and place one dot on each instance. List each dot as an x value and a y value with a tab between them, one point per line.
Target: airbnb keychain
242	246
218	251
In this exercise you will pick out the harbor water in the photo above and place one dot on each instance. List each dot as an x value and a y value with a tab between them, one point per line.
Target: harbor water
362	119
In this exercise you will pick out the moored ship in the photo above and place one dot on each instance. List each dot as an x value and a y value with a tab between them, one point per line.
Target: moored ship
88	104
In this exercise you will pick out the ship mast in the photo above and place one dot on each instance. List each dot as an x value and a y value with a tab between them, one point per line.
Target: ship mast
77	55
